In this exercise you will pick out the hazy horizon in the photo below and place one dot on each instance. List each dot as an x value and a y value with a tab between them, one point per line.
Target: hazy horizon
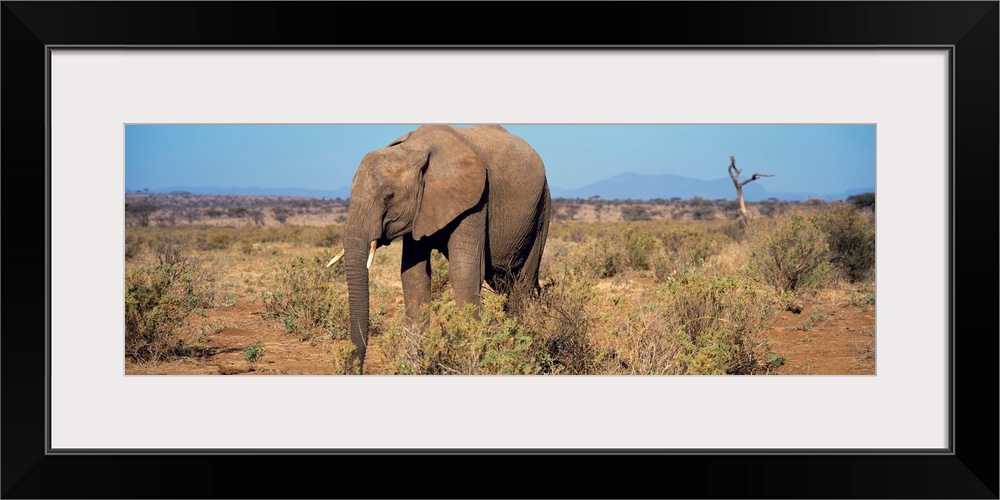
828	159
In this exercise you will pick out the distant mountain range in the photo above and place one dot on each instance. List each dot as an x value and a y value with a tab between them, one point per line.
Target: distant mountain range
626	186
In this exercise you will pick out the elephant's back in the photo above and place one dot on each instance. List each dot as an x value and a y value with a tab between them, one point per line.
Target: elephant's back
509	158
518	194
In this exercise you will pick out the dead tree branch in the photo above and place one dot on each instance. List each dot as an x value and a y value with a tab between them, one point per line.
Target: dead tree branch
734	173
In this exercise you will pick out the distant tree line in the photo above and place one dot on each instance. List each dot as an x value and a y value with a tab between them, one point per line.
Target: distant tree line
695	208
145	209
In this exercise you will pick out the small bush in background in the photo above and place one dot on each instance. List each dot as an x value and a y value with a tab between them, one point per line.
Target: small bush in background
133	245
636	213
792	256
633	249
638	249
219	239
864	201
281	213
598	258
851	240
326	236
693	244
685	247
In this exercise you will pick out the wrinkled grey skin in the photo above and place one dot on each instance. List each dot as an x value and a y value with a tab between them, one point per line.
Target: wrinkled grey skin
478	195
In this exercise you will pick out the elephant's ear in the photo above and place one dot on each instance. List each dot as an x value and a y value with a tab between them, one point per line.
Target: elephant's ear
400	140
454	182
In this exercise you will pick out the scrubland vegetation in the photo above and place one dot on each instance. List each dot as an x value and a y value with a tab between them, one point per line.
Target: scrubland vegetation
671	287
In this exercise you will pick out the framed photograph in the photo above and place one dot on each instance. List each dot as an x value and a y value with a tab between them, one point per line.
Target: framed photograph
90	82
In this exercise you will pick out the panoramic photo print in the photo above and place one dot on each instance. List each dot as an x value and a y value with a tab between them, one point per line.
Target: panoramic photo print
499	249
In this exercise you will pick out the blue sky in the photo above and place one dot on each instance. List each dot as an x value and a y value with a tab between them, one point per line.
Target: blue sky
813	158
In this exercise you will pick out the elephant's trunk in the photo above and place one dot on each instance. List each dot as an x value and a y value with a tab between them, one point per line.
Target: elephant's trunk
358	237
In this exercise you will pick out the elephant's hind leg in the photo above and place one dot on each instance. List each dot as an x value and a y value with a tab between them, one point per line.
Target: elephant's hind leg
525	284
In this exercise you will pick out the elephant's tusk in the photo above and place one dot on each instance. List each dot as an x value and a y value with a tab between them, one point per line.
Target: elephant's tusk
371	254
335	258
487	287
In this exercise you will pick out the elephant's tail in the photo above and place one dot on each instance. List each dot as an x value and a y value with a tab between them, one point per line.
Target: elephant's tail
546	216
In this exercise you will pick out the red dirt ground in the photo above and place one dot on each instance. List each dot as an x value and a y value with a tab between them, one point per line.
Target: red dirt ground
842	343
828	336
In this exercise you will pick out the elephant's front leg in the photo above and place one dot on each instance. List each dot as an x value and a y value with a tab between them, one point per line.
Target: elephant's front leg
415	272
466	259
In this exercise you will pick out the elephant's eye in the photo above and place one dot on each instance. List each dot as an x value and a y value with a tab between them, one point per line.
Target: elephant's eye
389	198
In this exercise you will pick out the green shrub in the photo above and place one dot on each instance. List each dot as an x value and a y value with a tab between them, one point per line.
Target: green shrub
308	297
253	352
851	239
215	239
158	300
343	358
792	256
460	342
666	267
631	249
721	323
639	249
454	348
864	296
693	244
686	247
730	231
326	236
507	350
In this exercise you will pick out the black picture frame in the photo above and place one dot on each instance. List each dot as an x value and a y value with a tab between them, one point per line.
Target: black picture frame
969	470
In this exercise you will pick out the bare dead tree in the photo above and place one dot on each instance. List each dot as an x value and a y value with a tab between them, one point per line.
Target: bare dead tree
734	173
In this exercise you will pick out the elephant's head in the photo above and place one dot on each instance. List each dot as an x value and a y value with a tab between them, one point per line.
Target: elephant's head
417	185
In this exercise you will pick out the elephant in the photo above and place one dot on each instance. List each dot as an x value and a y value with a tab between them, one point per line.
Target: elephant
478	195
